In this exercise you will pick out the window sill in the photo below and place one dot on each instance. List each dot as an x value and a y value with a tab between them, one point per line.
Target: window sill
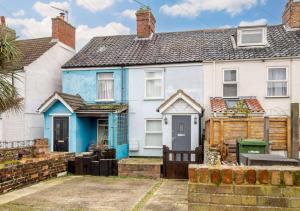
277	97
152	147
153	99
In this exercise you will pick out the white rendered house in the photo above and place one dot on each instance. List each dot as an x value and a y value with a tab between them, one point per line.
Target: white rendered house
39	76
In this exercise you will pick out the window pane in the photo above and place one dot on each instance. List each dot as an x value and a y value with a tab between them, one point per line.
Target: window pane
105	76
150	75
153	125
252	36
230	75
154	140
154	88
105	86
277	88
230	90
277	74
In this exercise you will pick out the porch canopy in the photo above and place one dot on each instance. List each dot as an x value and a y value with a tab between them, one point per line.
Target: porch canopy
75	104
185	101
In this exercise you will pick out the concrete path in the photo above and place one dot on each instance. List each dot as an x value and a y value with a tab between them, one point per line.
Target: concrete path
171	196
81	193
98	193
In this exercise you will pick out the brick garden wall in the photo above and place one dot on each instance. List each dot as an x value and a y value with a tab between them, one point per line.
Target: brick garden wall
243	188
20	175
139	170
13	153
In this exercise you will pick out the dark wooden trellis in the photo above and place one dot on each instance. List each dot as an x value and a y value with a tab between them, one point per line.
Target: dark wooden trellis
176	163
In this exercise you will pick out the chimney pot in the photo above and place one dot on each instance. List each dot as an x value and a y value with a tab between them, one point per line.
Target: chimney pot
63	31
291	15
2	20
145	23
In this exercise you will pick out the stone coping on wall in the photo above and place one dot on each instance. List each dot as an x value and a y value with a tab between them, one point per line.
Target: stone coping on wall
252	175
243	188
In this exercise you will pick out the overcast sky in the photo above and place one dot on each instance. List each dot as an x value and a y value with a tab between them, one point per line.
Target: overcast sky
32	18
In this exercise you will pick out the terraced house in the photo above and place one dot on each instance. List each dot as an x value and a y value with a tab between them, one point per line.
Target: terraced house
39	76
165	85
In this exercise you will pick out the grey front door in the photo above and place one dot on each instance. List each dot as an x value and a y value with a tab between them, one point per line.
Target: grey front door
181	133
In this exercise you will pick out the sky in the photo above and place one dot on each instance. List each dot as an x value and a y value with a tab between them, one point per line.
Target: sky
32	18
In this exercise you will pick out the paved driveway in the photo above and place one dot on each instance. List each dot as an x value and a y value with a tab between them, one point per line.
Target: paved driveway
98	193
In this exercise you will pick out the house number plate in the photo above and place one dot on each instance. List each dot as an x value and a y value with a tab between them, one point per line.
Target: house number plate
181	134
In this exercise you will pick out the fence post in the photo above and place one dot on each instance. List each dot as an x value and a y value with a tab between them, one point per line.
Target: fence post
295	130
267	133
165	160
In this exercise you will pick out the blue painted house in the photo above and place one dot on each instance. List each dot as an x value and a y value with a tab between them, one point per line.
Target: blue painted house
92	109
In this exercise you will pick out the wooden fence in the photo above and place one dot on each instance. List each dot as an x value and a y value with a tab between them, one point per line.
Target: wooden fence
218	130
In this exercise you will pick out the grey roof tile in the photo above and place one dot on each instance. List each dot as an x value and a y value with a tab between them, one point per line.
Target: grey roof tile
182	47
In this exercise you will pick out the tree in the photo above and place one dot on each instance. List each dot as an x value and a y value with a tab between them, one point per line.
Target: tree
10	55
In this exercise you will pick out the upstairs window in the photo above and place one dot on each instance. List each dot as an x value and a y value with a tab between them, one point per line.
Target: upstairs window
105	86
277	82
154	84
252	36
230	83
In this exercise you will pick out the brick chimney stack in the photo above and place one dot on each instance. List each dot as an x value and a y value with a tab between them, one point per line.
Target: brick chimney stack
5	29
2	20
145	23
63	31
291	15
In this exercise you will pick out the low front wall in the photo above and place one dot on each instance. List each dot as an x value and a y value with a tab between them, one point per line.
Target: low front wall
139	170
243	188
35	170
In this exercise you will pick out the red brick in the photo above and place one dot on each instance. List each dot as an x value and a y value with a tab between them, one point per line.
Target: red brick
251	176
263	176
192	175
288	178
227	176
275	177
215	176
203	175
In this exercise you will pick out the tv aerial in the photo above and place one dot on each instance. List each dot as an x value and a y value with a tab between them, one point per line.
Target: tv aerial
62	12
143	6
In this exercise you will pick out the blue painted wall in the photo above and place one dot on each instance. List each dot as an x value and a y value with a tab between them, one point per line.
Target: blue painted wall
84	83
57	109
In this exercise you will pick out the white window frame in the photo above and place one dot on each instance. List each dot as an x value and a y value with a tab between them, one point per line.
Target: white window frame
231	82
158	78
98	87
287	81
243	30
153	132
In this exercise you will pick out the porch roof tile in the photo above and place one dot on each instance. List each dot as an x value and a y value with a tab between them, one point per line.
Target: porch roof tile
218	104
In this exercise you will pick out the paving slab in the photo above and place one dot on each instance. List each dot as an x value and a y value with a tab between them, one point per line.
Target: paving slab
171	196
82	193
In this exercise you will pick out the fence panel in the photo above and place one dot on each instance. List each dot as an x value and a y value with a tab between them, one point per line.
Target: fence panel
219	130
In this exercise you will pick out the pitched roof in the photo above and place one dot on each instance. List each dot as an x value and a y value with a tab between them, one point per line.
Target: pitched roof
75	101
32	49
180	94
219	105
182	47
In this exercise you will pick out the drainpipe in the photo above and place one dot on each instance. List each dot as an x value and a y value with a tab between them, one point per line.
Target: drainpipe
122	84
214	79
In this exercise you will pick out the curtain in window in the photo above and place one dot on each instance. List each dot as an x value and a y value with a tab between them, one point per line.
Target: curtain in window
153	88
105	86
277	88
106	90
277	74
230	75
153	133
277	84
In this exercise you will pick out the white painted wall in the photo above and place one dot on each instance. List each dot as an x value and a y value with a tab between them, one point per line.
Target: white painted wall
41	79
188	77
252	77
